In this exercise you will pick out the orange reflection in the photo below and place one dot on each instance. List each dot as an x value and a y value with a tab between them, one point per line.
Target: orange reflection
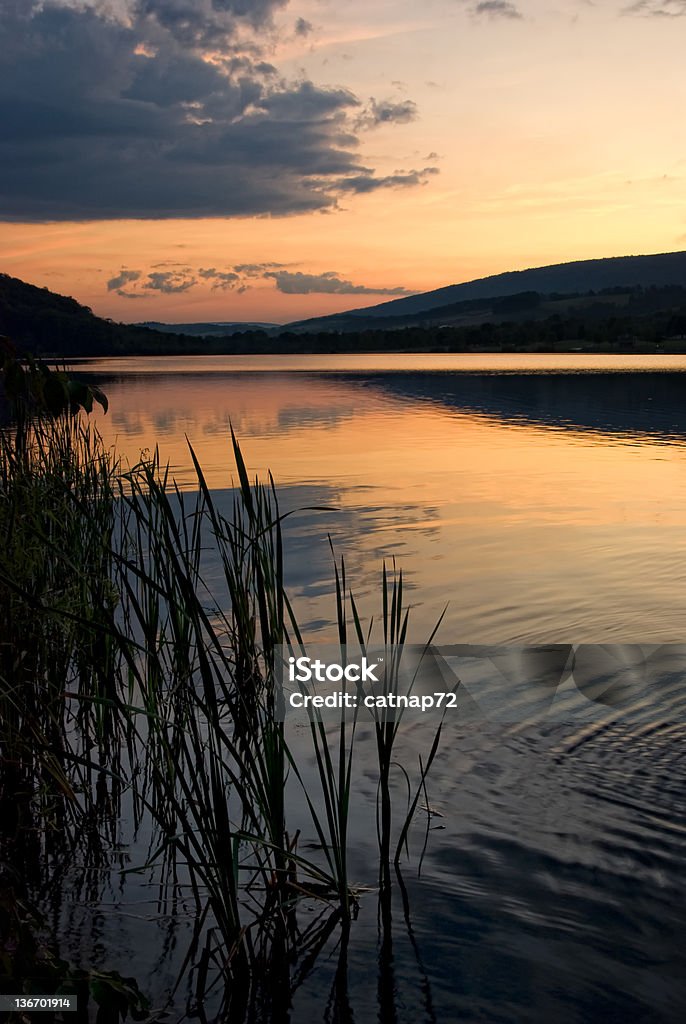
531	532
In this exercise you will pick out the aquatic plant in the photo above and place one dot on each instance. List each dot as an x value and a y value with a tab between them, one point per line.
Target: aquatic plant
124	675
57	665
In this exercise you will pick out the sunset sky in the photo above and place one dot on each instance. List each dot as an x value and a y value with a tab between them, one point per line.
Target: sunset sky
270	160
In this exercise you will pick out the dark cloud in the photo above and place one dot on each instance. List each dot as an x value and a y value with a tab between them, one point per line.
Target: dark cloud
366	182
122	278
202	23
168	111
307	102
658	8
387	112
223	279
257	269
296	283
130	284
497	9
239	278
169	282
303	27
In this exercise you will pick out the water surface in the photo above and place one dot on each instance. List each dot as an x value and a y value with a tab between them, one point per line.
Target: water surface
544	500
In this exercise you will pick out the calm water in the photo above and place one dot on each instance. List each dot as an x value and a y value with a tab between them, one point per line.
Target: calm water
544	500
542	507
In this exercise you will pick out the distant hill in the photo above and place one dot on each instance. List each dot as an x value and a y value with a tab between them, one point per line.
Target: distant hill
44	322
619	318
580	277
209	330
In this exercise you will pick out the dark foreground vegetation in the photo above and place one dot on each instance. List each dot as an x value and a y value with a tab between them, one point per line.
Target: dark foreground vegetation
631	319
130	693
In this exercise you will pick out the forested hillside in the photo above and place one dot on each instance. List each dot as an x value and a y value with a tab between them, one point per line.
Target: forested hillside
617	319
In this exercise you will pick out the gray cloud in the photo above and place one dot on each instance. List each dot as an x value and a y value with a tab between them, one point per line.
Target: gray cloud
168	110
497	9
239	278
122	278
658	8
303	27
257	269
309	102
169	282
202	23
387	112
328	283
366	182
223	279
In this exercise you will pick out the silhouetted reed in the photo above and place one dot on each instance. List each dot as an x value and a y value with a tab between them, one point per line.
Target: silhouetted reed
123	675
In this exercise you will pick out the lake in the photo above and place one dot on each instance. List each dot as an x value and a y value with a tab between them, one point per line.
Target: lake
542	499
540	506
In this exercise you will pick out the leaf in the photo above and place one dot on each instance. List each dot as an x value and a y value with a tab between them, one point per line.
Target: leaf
15	380
80	396
100	397
55	394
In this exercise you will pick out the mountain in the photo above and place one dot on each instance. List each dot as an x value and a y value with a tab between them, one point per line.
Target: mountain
209	330
648	317
44	322
579	277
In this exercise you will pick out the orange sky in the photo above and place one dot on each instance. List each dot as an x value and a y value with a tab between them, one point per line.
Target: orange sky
553	132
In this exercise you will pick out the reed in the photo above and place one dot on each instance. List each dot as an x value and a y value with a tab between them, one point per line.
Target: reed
127	674
211	761
334	760
58	667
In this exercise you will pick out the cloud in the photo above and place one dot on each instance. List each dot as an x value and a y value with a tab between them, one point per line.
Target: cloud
658	8
497	9
203	23
257	269
303	27
366	182
239	278
222	279
328	283
170	282
387	112
121	279
167	108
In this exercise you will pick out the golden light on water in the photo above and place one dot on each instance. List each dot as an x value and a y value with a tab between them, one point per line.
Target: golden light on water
493	513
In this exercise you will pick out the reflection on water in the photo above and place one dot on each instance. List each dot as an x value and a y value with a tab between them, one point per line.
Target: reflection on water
365	362
542	507
546	508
